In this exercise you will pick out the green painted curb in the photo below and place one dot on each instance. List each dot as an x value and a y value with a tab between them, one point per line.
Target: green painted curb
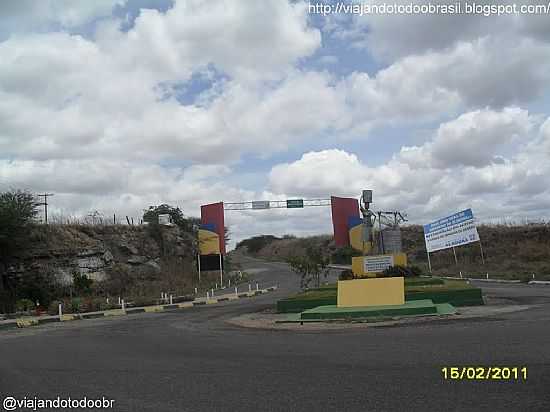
456	297
420	307
445	309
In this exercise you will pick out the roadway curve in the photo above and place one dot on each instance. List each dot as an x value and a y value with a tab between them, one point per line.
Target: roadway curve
193	360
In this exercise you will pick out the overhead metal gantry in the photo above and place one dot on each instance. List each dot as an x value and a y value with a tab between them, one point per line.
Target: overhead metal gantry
275	204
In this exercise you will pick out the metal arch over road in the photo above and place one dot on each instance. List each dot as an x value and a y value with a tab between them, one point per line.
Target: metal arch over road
275	204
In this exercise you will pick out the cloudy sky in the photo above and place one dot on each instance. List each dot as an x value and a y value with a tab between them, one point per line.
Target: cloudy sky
116	105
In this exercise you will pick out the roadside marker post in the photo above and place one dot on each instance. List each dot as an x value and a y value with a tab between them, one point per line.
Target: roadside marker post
221	269
170	299
257	287
236	293
229	282
199	266
212	293
60	307
123	305
249	287
195	291
487	275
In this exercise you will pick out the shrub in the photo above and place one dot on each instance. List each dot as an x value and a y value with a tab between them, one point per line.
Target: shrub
310	267
24	305
343	255
404	271
72	305
346	275
82	284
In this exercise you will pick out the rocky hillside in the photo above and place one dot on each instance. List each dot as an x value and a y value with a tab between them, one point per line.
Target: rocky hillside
120	259
510	251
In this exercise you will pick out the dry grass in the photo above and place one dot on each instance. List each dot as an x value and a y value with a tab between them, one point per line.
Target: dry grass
514	252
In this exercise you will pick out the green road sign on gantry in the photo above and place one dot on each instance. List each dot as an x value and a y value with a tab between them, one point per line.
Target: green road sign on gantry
294	203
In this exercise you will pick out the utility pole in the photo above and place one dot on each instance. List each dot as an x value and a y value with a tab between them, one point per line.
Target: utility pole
45	204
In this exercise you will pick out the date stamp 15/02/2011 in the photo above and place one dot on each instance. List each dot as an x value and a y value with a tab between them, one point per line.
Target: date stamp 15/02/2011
485	373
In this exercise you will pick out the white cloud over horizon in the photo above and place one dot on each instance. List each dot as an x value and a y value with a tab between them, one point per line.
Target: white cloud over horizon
182	104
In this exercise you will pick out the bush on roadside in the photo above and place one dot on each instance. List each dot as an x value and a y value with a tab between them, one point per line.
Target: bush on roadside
24	305
404	271
343	255
346	274
72	305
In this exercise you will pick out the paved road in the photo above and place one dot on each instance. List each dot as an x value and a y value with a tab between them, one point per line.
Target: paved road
193	360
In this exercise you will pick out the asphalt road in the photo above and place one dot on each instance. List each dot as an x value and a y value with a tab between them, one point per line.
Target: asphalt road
192	360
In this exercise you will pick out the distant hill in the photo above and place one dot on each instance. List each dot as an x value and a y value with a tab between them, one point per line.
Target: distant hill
510	251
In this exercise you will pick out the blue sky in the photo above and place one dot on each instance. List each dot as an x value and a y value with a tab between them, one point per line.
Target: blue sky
115	105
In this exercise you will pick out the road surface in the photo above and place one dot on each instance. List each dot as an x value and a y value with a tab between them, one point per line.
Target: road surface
193	360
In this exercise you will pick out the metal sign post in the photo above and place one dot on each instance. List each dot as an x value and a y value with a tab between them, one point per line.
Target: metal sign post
199	266
454	252
221	271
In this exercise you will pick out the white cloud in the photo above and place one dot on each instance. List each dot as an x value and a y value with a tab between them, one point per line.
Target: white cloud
472	139
31	15
414	180
422	33
94	118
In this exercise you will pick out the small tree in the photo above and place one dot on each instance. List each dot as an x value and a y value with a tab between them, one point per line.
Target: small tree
82	284
176	214
17	211
310	267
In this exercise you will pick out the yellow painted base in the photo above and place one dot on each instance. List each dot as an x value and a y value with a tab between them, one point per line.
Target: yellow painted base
151	309
358	264
25	323
371	292
114	312
185	305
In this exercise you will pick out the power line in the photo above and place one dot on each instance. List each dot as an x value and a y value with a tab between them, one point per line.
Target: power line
45	204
